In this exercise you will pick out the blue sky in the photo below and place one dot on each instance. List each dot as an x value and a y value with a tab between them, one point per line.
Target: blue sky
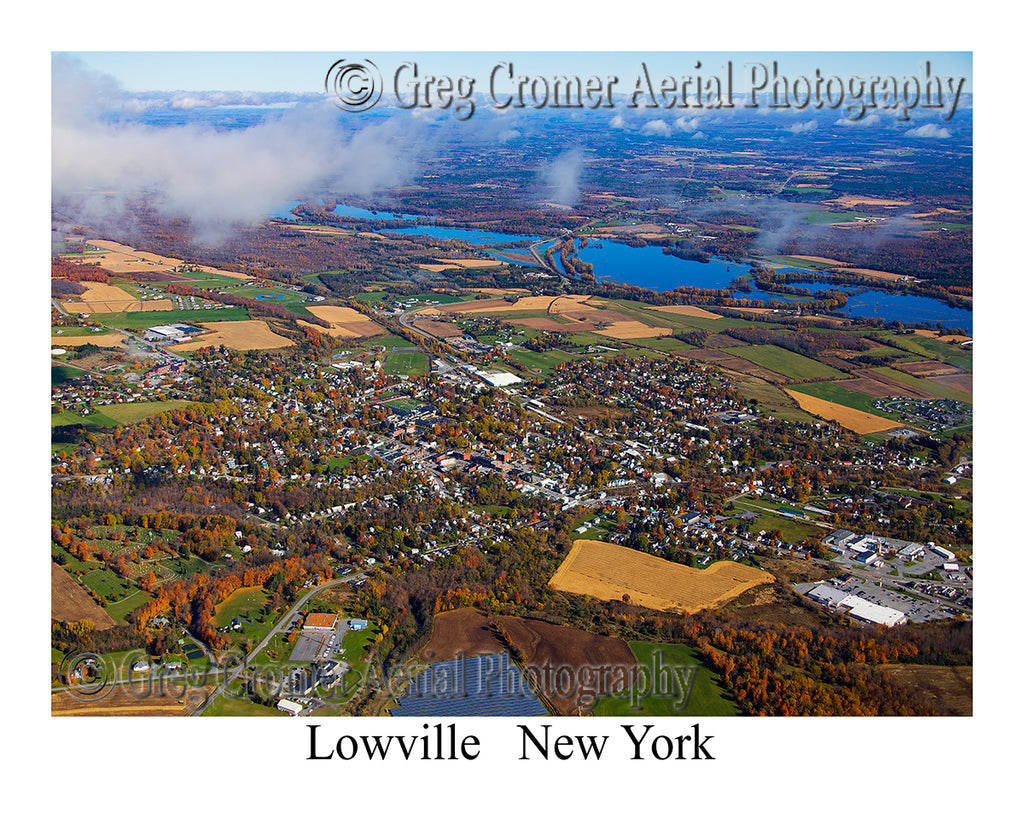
305	71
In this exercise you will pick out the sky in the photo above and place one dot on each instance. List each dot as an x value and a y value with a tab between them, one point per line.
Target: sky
305	71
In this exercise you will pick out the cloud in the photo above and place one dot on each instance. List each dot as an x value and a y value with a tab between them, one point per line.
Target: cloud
869	120
687	124
562	178
656	127
216	177
618	122
929	131
802	127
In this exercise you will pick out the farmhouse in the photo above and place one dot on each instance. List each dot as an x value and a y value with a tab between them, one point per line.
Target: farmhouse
321	622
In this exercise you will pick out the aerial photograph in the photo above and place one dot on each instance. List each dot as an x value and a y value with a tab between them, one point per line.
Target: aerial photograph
529	384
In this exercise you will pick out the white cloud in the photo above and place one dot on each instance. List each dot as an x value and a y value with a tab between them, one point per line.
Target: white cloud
656	127
929	131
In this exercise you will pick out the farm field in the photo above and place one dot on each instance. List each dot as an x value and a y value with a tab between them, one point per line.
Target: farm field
706	697
928	386
688	310
253	334
70	602
139	411
100	297
785	362
633	329
99	339
345	322
140	321
610	572
839	394
121	702
854	420
539	645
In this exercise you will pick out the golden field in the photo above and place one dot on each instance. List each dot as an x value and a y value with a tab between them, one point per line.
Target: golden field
610	572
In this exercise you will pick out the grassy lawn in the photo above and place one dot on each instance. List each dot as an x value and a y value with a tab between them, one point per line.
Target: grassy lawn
106	584
59	373
139	321
545	362
793	531
93	419
123	607
245	603
227	706
129	413
785	362
706	696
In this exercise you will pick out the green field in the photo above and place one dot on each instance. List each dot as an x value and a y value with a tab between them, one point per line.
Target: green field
793	531
926	384
236	706
785	362
140	321
123	607
140	410
840	395
106	584
706	697
545	362
244	603
411	364
59	373
93	419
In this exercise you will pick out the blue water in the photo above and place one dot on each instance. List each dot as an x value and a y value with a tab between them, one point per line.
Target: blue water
884	305
269	296
649	267
475	237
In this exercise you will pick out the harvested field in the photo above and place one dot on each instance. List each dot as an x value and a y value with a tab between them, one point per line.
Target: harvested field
633	329
854	201
874	274
923	368
69	602
550	325
553	304
472	262
950	689
963	382
860	422
688	310
441	329
541	648
952	339
100	340
345	322
610	572
100	297
500	291
121	702
878	389
251	334
123	258
898	387
821	259
756	310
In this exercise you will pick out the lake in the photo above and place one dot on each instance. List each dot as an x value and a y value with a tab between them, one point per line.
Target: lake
651	268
